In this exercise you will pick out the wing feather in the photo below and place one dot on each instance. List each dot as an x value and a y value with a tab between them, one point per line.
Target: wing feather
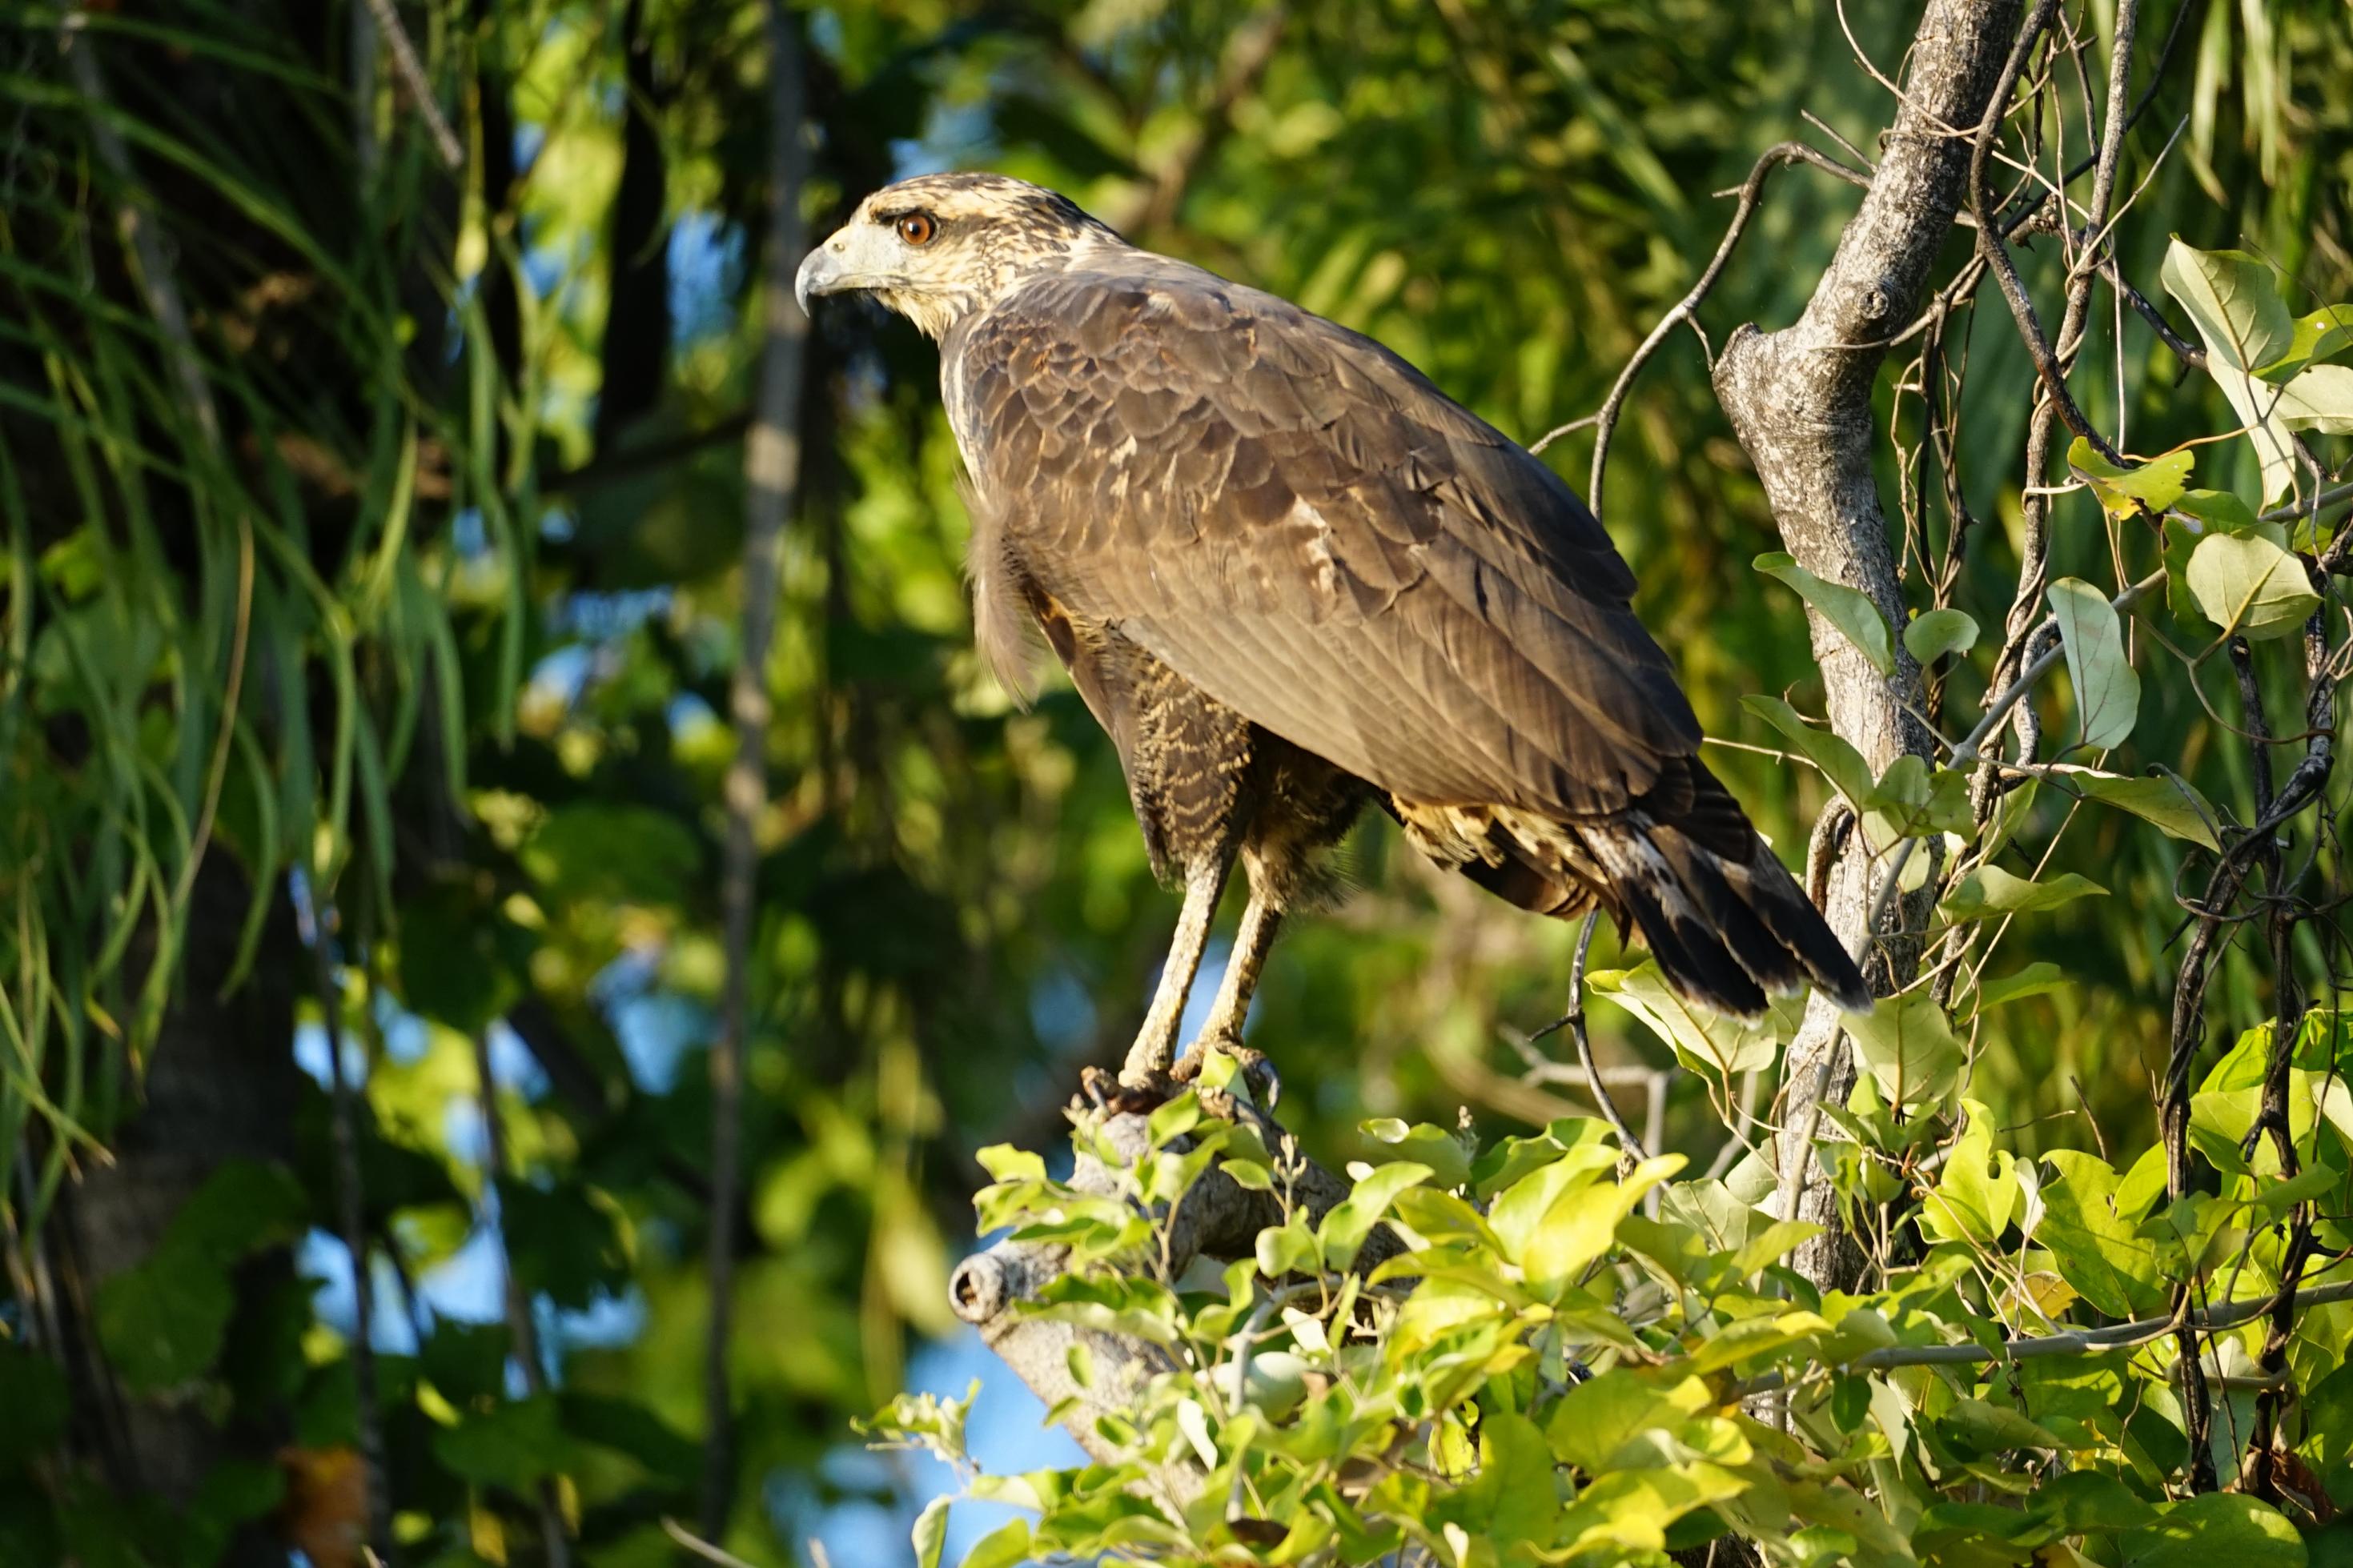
1296	522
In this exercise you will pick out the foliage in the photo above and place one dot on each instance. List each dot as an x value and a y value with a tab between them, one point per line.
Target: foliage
1580	1359
382	615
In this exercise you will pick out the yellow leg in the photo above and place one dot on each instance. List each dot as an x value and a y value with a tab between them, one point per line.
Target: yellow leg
1156	1044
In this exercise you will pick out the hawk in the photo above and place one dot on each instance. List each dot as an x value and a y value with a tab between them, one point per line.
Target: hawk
1290	577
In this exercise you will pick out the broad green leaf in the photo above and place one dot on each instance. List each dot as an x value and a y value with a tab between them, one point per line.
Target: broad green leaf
2247	583
1978	1189
1849	609
1582	1222
1595	1418
2107	689
1840	761
1914	800
1441	1151
2323	334
2216	512
2210	1531
2320	398
2165	799
1352	1219
2145	490
2098	1250
1704	1038
511	1446
2234	299
1932	635
2233	302
1908	1045
1003	1547
1990	890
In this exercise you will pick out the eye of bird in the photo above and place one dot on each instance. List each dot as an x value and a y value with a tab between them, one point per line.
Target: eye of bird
917	228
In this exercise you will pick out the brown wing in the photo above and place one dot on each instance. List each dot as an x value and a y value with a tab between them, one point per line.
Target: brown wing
1294	520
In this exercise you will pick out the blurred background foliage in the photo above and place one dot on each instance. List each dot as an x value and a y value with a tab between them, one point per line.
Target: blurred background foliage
372	585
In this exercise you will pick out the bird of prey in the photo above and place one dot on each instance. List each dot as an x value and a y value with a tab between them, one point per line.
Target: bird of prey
1290	576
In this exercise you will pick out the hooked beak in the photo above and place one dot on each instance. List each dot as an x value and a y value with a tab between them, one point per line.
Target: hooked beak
842	264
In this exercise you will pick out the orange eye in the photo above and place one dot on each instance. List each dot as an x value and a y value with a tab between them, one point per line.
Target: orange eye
917	228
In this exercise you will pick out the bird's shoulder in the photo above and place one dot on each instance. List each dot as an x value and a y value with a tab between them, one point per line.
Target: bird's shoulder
1150	382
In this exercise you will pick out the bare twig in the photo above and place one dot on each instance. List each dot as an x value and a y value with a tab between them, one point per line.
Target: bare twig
419	86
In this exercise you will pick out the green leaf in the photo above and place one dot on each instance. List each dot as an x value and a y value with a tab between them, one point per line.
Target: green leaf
2031	981
2234	302
1003	1547
1908	1045
1932	635
1978	1189
2247	583
2144	491
511	1445
2214	1529
1840	761
1596	1418
2098	1249
1441	1151
1913	800
1990	890
1849	609
1582	1222
1352	1219
931	1533
2320	398
2107	689
2326	332
1704	1038
2165	799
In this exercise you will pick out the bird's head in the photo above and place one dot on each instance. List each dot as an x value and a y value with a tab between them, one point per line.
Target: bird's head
938	248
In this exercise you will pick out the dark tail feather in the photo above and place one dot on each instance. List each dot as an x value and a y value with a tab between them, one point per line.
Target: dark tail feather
1727	931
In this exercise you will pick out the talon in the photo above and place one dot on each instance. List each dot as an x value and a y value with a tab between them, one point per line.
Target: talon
1113	1098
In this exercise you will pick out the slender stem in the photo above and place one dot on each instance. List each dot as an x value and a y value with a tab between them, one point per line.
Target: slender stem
772	461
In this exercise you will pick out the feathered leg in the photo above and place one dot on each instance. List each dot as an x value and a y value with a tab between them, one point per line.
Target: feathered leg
1223	1031
1154	1050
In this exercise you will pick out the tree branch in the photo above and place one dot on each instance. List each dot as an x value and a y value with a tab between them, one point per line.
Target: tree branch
1799	401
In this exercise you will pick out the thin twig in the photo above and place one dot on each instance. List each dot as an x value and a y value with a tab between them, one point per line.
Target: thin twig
554	1547
411	71
1753	187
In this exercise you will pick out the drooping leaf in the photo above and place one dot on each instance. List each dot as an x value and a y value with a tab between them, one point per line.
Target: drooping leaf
1849	609
2163	798
931	1533
1825	749
2107	689
1723	1046
2233	302
2213	1529
1977	1191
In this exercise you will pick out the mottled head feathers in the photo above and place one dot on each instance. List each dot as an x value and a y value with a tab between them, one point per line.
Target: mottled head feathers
938	248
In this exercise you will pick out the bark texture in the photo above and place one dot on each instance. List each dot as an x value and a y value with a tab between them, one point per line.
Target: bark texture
1801	402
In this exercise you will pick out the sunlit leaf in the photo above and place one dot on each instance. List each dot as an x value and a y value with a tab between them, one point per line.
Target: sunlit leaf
2133	492
2248	584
